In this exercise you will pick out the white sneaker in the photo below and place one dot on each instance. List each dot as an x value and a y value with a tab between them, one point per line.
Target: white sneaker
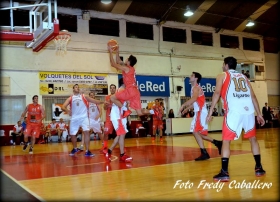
11	141
152	111
14	143
21	143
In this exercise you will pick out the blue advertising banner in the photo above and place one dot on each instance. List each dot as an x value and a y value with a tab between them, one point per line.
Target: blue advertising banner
208	86
152	85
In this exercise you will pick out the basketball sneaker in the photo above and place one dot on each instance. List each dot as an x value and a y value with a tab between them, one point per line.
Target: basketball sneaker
74	151
126	158
259	171
89	154
222	176
108	157
24	147
81	148
202	157
31	150
104	150
126	113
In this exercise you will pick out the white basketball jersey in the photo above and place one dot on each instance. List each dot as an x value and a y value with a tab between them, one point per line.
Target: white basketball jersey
79	106
115	111
236	94
62	125
199	104
93	110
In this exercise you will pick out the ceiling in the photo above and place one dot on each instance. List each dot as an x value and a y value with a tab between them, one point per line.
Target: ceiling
219	14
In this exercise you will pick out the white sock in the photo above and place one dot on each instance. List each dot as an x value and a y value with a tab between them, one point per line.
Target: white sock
152	111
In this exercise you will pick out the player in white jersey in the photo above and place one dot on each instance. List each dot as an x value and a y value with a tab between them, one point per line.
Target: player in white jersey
120	126
79	105
199	127
239	103
95	113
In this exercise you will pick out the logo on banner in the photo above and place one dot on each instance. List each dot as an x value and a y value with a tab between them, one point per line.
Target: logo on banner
208	86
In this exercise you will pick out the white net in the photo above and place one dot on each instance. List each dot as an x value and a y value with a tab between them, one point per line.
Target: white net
61	42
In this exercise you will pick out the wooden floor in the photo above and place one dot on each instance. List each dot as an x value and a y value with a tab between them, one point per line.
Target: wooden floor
159	171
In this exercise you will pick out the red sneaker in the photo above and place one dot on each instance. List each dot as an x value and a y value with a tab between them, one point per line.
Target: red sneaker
108	157
126	158
126	113
105	150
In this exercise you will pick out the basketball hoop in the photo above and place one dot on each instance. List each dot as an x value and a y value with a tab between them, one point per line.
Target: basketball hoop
61	41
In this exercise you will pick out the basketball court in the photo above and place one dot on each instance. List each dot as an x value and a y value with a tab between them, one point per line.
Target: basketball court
51	174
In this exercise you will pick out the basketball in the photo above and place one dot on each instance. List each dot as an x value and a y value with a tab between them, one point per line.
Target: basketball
113	44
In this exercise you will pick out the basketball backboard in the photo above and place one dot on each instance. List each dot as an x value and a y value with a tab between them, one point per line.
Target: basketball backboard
43	23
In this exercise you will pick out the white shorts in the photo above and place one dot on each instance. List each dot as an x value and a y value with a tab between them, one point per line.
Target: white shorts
95	125
76	123
199	123
234	122
120	126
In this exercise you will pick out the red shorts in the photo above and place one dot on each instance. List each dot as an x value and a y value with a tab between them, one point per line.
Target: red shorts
33	130
53	132
132	95
108	128
157	124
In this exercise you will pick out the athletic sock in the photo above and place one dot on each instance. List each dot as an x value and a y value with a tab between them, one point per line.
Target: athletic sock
203	151
225	164
258	160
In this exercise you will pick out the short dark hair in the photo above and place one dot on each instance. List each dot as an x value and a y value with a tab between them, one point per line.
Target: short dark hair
53	119
231	62
75	85
34	97
121	82
132	60
91	92
198	76
113	85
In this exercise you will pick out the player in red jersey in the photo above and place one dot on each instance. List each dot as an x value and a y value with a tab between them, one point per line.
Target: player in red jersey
35	115
157	119
131	92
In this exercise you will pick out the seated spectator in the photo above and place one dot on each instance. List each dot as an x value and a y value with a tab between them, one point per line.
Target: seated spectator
215	113
171	114
223	112
51	129
17	130
191	113
247	74
62	130
43	131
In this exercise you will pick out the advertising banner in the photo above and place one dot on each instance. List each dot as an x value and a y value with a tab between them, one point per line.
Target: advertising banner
61	83
152	85
208	86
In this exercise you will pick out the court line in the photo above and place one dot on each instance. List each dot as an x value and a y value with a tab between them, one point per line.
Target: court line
92	163
22	186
